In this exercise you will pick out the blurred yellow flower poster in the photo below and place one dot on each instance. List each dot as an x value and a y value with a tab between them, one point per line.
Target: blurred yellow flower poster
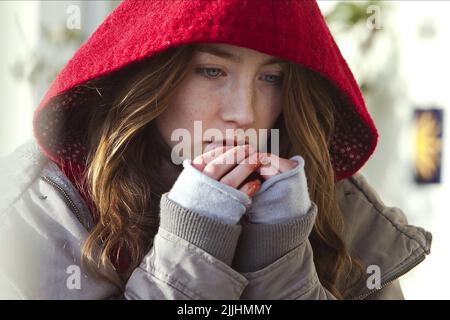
428	145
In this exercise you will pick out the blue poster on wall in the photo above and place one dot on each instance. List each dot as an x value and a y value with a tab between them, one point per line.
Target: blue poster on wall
428	145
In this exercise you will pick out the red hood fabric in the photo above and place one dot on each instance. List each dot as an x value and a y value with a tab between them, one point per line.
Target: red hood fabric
136	30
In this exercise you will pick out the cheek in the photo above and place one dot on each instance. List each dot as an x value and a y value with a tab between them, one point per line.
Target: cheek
183	114
194	101
269	110
186	106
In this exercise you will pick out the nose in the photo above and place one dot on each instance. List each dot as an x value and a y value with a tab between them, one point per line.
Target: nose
239	108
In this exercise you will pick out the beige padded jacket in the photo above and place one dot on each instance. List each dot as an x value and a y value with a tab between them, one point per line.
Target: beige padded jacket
44	221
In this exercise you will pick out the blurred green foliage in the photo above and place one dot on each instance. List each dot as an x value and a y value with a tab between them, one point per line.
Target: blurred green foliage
347	16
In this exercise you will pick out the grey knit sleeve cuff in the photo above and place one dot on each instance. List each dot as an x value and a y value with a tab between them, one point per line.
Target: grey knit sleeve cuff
282	197
262	244
211	235
196	191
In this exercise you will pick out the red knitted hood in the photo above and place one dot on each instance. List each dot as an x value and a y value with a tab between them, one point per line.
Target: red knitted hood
293	30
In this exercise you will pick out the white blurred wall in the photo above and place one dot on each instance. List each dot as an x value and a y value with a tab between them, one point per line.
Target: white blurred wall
422	81
16	97
414	74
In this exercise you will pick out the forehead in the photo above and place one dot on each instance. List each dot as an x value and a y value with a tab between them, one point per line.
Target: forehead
229	48
236	53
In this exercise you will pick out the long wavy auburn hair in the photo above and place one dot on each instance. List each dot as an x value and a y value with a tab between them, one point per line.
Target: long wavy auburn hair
125	153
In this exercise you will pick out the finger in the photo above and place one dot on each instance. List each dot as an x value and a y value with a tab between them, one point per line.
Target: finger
251	187
215	150
212	146
286	164
239	173
226	161
269	167
281	164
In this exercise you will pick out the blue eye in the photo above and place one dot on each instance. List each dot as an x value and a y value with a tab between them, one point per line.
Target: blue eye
271	78
214	73
210	72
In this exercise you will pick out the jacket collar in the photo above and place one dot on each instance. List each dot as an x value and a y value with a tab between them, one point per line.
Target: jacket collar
379	236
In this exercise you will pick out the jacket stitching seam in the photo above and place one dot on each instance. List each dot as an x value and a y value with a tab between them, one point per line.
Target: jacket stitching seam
312	284
400	264
203	255
352	179
173	283
391	272
275	265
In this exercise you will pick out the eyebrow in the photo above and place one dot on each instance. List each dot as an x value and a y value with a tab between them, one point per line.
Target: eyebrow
230	56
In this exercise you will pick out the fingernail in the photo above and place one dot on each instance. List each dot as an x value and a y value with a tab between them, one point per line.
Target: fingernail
253	187
265	161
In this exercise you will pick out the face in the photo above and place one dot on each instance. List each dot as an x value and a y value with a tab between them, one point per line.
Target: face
226	88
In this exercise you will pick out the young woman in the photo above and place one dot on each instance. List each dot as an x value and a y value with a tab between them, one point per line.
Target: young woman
97	207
